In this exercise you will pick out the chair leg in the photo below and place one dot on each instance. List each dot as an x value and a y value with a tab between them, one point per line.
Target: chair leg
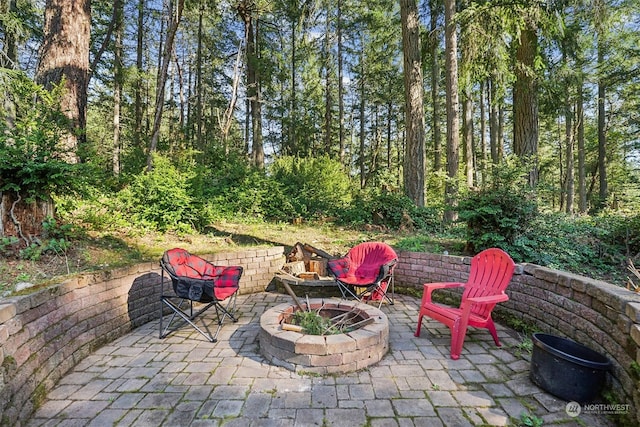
346	292
492	329
417	334
458	334
456	342
177	310
222	312
384	293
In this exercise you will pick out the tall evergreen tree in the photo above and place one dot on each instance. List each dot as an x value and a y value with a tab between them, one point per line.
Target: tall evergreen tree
64	57
453	135
414	168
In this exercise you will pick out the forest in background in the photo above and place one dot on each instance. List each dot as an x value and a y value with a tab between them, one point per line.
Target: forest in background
139	116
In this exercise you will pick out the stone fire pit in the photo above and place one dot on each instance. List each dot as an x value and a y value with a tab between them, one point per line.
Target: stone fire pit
326	354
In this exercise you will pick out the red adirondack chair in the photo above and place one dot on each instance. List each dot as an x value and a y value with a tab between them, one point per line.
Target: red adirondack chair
491	272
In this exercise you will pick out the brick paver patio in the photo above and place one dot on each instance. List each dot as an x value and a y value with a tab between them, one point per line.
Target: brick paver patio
184	380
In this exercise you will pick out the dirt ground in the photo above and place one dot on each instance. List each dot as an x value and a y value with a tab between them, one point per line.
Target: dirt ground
95	251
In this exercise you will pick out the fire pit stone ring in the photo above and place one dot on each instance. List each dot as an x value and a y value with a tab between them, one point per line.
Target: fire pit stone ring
324	354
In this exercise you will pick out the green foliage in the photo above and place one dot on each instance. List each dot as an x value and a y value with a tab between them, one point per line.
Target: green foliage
527	420
6	245
499	215
316	186
54	230
577	244
312	323
57	239
392	209
161	198
418	243
32	162
231	188
508	218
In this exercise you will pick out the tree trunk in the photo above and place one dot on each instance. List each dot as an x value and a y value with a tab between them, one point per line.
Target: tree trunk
582	180
23	220
340	85
256	108
500	133
525	103
199	85
64	54
493	122
246	9
467	109
483	134
174	21
414	95
453	135
292	114
602	136
139	106
434	47
9	58
561	175
570	182
328	99
117	86
361	110
389	126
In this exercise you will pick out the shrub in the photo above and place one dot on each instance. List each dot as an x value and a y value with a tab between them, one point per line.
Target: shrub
161	198
582	245
32	162
392	209
499	215
316	186
234	189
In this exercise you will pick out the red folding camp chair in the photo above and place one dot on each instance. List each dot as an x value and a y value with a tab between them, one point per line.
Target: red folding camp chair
196	280
366	272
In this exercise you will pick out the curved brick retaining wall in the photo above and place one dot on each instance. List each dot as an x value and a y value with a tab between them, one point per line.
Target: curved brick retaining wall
46	333
599	315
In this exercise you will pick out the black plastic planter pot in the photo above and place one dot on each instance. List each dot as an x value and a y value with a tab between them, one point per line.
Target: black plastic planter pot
567	369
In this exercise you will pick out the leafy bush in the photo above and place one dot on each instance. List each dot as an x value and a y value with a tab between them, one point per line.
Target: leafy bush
32	161
56	239
316	186
501	214
392	209
234	189
160	199
582	245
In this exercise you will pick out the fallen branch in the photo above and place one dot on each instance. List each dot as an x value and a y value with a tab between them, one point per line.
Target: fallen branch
630	284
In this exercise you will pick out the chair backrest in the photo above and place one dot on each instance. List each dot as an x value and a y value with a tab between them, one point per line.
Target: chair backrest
491	272
180	263
367	258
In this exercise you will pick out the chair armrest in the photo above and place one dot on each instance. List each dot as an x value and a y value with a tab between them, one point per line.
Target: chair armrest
428	288
466	304
339	267
228	277
490	299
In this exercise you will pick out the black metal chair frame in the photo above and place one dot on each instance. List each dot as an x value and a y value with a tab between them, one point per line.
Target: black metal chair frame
190	316
348	289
